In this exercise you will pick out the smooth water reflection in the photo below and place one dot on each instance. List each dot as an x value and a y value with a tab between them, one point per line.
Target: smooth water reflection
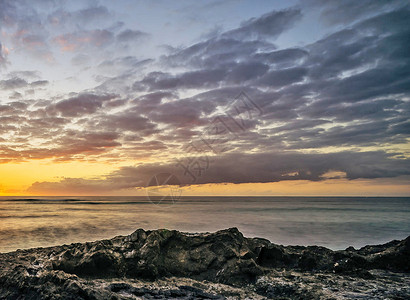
332	222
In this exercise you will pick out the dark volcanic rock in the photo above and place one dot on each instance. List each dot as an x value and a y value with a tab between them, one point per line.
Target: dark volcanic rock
391	256
227	257
224	256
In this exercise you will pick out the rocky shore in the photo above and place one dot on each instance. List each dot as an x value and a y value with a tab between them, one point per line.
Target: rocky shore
167	264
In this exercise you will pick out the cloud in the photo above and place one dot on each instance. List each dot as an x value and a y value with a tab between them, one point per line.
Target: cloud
82	104
128	121
3	55
39	83
92	13
214	52
129	35
82	39
283	58
269	25
347	90
84	17
285	77
13	83
345	12
245	168
8	12
16	95
61	147
23	29
16	82
165	81
80	59
27	75
123	64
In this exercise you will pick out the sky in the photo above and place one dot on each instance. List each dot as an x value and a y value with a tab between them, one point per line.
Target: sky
218	97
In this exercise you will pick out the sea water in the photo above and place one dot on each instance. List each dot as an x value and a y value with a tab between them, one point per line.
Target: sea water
333	222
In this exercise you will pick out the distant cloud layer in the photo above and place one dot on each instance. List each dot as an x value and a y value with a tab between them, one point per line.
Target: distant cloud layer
340	103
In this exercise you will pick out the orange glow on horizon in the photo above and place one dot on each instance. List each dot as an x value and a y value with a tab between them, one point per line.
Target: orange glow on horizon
16	178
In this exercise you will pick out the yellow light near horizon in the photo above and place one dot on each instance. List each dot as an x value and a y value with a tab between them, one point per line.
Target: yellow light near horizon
331	187
15	178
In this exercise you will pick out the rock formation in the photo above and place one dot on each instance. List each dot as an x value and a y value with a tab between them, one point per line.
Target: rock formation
165	264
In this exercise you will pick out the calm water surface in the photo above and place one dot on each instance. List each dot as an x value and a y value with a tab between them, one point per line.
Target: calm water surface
332	222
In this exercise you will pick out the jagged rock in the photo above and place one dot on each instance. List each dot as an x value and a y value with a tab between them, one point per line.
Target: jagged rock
393	256
223	257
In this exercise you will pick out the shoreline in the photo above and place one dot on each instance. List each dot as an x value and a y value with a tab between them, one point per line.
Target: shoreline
326	222
382	242
220	265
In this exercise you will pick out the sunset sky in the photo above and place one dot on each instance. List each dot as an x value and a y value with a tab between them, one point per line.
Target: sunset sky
97	97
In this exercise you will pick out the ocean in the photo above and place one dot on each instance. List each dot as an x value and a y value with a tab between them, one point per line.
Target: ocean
333	222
